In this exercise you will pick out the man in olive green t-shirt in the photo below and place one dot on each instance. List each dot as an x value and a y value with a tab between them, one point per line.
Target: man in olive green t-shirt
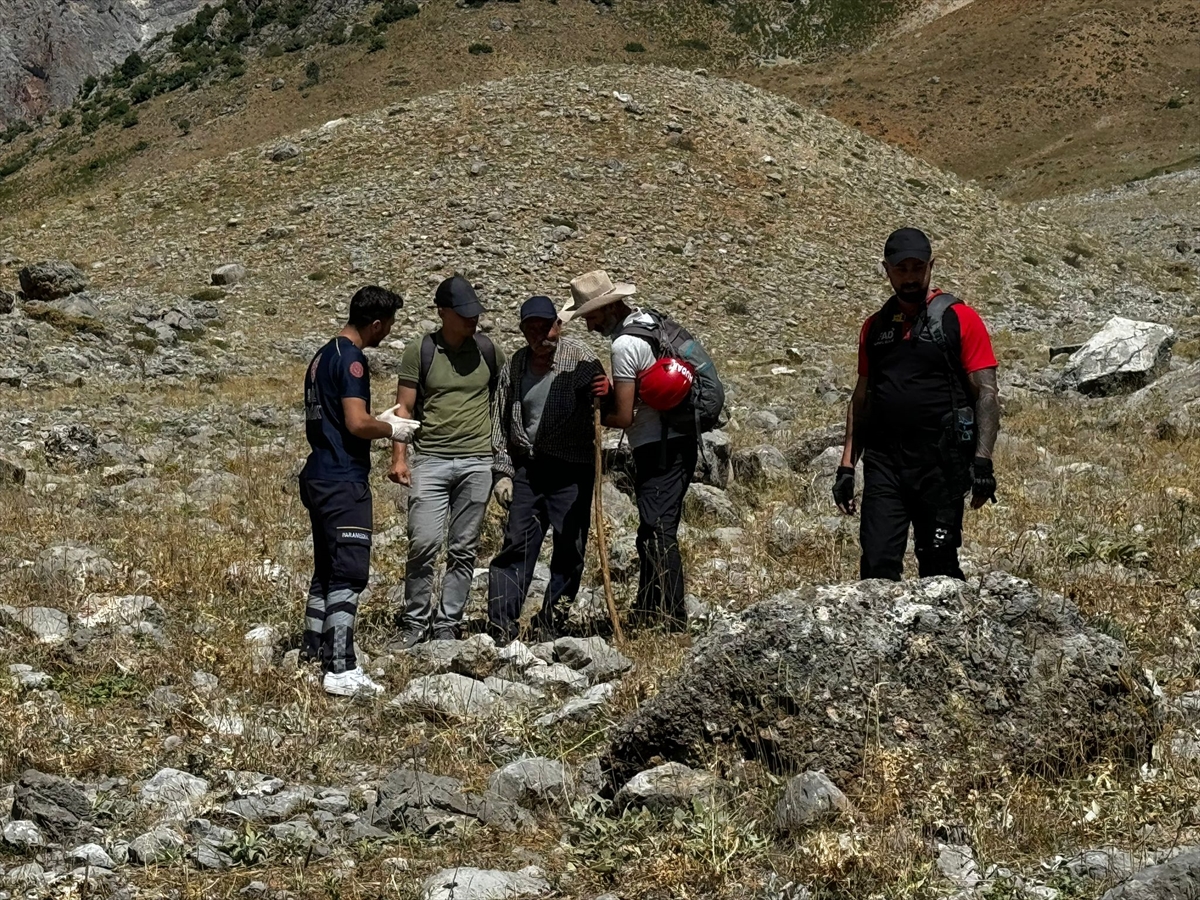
450	473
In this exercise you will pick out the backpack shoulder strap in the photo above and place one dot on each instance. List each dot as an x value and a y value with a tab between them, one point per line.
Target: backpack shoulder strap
487	349
650	332
428	351
938	307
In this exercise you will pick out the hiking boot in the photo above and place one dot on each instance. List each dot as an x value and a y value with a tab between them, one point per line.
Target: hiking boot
412	637
353	683
445	633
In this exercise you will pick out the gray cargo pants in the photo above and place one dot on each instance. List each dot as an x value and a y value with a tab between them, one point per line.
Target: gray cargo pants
446	504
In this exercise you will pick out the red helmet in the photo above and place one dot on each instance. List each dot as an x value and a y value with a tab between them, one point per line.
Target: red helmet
666	384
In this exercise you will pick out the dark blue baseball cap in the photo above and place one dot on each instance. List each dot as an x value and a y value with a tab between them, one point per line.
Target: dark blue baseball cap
457	294
538	307
907	243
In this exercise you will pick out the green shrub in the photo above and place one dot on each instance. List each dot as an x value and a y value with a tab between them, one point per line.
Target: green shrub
634	47
294	14
312	73
89	85
378	42
264	16
294	43
118	110
14	131
142	91
361	32
479	47
131	119
133	66
237	29
335	34
90	123
66	119
272	50
184	125
13	165
394	11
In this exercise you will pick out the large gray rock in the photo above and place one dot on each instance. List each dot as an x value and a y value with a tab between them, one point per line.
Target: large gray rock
533	780
177	791
157	845
230	273
711	504
130	609
809	797
578	709
1177	879
50	280
45	624
1121	358
450	694
475	657
1002	669
763	463
714	465
465	883
406	799
72	561
91	855
593	657
23	835
670	786
273	808
52	802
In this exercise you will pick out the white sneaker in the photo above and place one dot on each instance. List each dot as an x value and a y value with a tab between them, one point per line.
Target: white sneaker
351	684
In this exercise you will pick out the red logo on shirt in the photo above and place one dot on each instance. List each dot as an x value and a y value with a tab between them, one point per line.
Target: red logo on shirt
356	369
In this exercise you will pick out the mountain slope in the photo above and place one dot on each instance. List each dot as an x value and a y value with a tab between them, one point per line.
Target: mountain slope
48	49
1033	99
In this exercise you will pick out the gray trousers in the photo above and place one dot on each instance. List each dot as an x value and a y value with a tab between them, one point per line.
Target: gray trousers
446	504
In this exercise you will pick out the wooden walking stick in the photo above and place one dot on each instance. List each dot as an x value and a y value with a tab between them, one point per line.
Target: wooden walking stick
601	536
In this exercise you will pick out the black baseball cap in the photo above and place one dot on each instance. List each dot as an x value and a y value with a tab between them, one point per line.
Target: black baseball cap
538	307
457	294
907	243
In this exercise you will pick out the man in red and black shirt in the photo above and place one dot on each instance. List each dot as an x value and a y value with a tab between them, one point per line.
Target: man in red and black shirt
924	418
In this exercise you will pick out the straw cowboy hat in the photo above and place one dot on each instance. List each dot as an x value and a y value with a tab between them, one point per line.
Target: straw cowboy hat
593	291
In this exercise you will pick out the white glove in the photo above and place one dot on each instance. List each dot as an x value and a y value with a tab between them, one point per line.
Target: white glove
503	492
403	430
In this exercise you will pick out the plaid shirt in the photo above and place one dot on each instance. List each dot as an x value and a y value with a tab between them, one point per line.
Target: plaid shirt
565	432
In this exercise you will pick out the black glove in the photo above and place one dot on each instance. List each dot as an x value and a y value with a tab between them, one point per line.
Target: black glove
843	487
984	484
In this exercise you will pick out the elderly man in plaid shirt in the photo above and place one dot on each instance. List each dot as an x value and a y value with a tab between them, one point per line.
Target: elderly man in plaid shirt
542	446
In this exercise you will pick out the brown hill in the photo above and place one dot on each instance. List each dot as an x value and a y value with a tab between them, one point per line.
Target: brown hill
1033	99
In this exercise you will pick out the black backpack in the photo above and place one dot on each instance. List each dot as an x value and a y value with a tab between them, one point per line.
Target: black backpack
429	349
704	410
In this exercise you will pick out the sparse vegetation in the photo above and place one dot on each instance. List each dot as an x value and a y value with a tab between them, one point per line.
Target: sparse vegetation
634	47
394	11
479	47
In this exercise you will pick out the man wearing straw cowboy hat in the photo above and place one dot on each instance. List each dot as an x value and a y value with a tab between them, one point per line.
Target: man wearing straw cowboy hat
664	459
542	445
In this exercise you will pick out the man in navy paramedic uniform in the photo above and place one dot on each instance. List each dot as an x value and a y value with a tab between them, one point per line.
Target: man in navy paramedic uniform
334	488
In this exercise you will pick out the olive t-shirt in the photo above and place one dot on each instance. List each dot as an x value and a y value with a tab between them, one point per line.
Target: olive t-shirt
457	422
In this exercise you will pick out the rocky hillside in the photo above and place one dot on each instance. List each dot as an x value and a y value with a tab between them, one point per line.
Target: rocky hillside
1030	734
47	49
1033	100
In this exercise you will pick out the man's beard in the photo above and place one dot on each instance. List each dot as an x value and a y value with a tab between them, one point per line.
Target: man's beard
911	293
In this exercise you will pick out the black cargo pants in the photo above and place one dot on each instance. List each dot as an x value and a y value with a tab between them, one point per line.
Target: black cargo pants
904	487
341	516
